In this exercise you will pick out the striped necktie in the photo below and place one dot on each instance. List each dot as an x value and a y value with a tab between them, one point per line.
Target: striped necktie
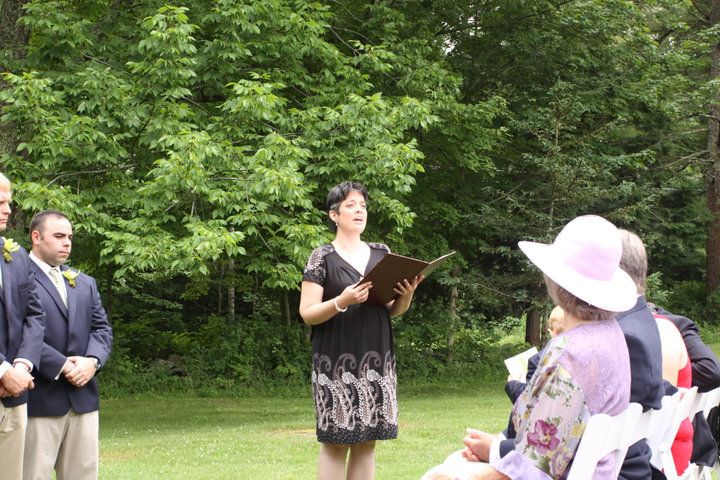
59	284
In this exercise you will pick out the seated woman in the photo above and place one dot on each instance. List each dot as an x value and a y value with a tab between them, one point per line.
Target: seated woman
677	370
582	372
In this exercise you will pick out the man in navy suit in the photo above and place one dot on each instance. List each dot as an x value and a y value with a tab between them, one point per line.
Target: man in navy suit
643	341
63	416
21	332
705	376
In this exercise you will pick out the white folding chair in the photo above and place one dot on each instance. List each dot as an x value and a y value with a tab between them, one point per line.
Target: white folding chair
704	402
605	434
616	434
678	407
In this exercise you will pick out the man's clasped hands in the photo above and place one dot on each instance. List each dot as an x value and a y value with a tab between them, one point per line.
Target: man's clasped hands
77	370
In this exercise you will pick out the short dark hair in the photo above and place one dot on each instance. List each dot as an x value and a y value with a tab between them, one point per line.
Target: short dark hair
339	193
38	221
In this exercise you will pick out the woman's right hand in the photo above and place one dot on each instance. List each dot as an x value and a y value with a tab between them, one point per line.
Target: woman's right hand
354	294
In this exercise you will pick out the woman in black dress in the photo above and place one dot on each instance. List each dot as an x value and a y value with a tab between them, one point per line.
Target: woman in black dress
353	376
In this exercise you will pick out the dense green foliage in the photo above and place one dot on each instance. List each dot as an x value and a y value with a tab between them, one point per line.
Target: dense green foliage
192	144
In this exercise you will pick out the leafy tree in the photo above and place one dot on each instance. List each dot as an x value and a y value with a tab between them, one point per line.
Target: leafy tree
183	134
596	114
193	143
197	139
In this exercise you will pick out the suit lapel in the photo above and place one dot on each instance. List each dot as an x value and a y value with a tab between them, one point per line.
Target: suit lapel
7	286
7	282
49	286
6	291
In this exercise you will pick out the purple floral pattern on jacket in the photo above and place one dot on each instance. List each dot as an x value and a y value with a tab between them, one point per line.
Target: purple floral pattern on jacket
544	437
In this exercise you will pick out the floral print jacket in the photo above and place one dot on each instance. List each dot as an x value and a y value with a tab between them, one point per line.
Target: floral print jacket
582	372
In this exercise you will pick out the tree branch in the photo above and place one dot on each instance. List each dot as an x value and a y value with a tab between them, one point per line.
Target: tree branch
89	172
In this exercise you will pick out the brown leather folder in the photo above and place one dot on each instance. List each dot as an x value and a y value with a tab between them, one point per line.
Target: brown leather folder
393	268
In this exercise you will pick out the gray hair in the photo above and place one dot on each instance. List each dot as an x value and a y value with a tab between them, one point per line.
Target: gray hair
634	259
5	181
574	305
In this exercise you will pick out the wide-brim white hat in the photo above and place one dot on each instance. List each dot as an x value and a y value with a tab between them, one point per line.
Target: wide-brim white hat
584	259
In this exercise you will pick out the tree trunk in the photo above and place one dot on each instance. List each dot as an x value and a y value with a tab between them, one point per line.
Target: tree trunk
231	290
221	291
13	38
712	174
533	327
453	316
286	308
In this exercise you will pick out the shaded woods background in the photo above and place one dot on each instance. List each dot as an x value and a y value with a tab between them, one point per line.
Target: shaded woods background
193	143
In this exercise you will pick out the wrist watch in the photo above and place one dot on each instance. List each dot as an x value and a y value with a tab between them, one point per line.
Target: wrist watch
96	362
25	366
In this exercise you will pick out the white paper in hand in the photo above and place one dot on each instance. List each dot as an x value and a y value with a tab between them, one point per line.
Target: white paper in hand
518	365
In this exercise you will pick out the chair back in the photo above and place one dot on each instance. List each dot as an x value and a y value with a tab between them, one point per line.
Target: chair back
704	403
603	435
606	434
675	409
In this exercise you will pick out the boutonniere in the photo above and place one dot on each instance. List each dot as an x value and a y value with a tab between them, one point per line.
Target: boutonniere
9	248
70	275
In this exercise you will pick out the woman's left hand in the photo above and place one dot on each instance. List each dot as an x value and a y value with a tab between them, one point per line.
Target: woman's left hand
477	445
406	287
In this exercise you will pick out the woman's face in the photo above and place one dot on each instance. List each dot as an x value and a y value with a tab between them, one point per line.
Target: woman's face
352	213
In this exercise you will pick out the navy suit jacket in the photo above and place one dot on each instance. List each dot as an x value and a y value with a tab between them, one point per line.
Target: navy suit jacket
22	334
646	383
80	329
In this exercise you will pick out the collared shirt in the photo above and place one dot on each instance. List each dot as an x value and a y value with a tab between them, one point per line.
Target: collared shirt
46	270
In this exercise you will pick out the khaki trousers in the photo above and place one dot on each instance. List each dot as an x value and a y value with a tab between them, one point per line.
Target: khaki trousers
13	421
68	443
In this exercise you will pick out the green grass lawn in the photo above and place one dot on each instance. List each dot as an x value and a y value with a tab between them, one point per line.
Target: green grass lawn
264	437
261	437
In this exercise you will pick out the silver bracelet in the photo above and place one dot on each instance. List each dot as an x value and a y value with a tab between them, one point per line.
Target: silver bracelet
337	307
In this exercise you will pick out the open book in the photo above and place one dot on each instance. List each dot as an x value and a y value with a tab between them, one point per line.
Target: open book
393	268
518	365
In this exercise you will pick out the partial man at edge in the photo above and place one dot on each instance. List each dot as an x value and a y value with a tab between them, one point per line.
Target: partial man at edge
21	332
705	376
704	363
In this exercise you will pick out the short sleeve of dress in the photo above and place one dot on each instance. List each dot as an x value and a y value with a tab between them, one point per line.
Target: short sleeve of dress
315	270
380	246
550	417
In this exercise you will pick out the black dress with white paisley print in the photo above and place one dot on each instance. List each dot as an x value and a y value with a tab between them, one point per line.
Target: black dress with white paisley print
353	376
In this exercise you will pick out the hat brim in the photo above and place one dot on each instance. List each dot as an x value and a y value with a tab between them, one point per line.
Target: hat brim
617	294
